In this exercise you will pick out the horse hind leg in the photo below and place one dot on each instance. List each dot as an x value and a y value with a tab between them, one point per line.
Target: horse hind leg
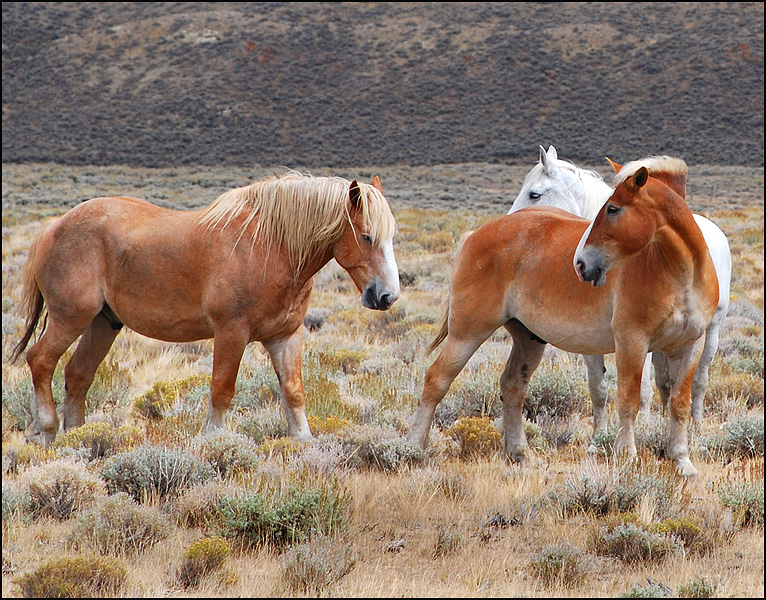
42	359
526	354
452	358
598	393
81	369
286	359
701	378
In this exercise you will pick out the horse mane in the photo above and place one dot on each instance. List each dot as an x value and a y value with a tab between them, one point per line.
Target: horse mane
302	213
656	165
595	189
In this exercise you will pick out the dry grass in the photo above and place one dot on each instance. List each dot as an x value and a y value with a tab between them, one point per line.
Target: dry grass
443	525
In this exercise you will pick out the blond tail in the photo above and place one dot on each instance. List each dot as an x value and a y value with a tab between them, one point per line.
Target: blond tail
32	300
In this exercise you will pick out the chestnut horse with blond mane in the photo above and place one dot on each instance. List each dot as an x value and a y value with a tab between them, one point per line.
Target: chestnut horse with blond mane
654	287
238	271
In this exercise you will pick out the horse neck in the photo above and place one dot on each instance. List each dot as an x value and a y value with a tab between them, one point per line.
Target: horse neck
595	193
681	241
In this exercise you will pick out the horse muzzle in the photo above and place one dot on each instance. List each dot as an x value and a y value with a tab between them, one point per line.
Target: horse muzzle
591	266
379	297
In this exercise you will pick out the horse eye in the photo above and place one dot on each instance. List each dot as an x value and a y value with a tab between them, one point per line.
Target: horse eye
611	209
366	238
534	196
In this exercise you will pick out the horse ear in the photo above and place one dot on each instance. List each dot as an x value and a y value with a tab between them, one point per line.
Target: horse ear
615	166
548	159
354	194
376	184
640	177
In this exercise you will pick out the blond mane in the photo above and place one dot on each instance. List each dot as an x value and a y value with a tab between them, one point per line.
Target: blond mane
654	164
302	213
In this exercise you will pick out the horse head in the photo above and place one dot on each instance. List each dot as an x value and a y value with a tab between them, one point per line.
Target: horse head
558	183
624	226
365	249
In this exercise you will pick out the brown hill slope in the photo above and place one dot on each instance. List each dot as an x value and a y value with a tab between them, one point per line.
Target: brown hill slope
342	84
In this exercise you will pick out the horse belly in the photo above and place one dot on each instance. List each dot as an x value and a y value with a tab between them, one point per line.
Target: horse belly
573	317
576	336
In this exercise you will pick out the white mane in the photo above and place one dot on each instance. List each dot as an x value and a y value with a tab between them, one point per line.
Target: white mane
588	200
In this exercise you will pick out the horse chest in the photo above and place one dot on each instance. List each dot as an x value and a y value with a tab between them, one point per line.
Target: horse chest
684	325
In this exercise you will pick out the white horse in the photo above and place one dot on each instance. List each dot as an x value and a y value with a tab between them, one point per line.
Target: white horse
554	182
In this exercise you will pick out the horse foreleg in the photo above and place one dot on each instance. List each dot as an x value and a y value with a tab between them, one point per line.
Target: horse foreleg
228	347
630	359
439	377
526	354
598	392
286	358
681	369
94	345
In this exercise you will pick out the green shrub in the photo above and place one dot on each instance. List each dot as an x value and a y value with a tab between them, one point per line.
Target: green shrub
591	493
284	516
689	530
160	400
699	587
99	440
560	564
746	501
390	455
653	590
552	393
205	556
617	491
633	544
118	525
14	503
228	453
311	567
154	471
59	488
743	437
75	577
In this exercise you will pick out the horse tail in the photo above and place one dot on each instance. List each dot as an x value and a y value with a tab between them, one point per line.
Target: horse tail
32	300
444	327
443	331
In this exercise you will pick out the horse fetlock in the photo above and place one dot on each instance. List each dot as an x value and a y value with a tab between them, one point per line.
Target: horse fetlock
42	433
416	438
70	417
516	451
625	444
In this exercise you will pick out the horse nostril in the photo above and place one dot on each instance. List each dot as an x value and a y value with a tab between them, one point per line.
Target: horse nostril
580	266
385	301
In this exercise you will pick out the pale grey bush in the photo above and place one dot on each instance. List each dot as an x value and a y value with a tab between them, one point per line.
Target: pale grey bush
154	471
118	525
60	488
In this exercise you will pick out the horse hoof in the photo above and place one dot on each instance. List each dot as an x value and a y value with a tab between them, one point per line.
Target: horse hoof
686	468
37	435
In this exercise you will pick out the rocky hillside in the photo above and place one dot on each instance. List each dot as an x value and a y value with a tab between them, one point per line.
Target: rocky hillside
343	84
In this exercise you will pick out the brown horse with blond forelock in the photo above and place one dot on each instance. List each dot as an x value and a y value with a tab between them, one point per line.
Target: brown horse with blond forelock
239	271
639	278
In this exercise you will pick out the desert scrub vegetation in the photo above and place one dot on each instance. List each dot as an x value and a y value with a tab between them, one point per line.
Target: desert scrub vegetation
356	512
75	577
